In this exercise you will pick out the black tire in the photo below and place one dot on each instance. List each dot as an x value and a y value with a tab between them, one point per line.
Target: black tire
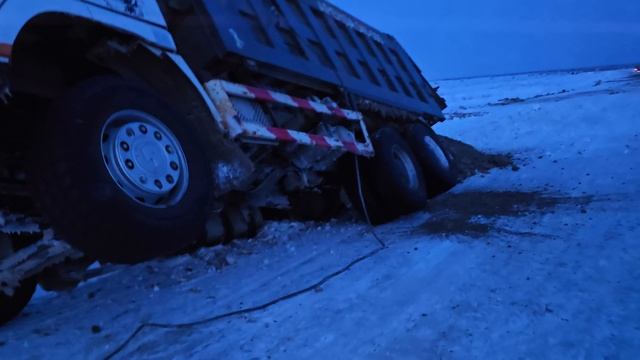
392	183
11	306
437	164
83	202
395	171
315	206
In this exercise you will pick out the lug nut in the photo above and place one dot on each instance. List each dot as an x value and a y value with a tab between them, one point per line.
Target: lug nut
143	179
158	184
170	179
174	166
124	146
130	132
157	135
129	164
168	149
143	129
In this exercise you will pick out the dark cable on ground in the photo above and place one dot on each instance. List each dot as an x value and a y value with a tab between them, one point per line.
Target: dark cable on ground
308	289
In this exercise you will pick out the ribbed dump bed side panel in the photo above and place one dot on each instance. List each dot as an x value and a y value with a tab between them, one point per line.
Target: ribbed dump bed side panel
317	40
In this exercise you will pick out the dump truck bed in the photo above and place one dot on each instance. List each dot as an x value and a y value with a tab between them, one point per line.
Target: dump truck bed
313	40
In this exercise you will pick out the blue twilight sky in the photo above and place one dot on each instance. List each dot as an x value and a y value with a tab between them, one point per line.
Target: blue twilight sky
455	38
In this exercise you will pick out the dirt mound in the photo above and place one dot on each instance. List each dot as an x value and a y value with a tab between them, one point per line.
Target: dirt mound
474	214
471	161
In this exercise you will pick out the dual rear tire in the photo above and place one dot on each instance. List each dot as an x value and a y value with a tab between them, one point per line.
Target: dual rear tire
436	162
406	171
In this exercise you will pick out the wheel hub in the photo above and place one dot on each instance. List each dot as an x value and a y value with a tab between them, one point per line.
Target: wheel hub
144	158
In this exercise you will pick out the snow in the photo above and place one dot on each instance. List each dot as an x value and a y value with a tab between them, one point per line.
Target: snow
549	271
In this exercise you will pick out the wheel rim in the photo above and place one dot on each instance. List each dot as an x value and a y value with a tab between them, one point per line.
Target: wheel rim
410	172
144	158
434	148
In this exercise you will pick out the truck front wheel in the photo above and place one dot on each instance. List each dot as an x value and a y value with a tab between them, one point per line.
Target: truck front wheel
120	174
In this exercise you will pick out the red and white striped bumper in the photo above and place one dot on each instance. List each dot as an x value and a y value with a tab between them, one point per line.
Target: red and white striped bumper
220	92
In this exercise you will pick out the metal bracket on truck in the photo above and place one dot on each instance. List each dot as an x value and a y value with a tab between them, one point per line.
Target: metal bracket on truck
239	125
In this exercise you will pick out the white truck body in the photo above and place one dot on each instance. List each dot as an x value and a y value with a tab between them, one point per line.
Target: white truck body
146	21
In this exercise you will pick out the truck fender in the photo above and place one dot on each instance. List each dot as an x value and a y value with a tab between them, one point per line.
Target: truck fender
15	14
188	73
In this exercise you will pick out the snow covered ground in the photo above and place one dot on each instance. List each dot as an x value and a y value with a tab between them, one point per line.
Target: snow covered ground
537	262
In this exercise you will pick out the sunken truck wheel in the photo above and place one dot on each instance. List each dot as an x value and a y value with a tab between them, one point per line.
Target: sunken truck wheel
374	210
396	174
11	306
120	174
392	183
437	166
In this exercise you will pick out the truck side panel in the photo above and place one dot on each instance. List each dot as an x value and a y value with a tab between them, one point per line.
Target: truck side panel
315	39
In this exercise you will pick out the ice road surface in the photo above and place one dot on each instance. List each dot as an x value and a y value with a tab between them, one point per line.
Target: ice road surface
543	262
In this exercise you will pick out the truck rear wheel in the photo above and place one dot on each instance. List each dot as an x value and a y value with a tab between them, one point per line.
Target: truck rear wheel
396	173
436	164
120	174
392	182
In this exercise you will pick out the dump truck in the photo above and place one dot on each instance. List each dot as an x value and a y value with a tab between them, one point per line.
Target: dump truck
133	129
